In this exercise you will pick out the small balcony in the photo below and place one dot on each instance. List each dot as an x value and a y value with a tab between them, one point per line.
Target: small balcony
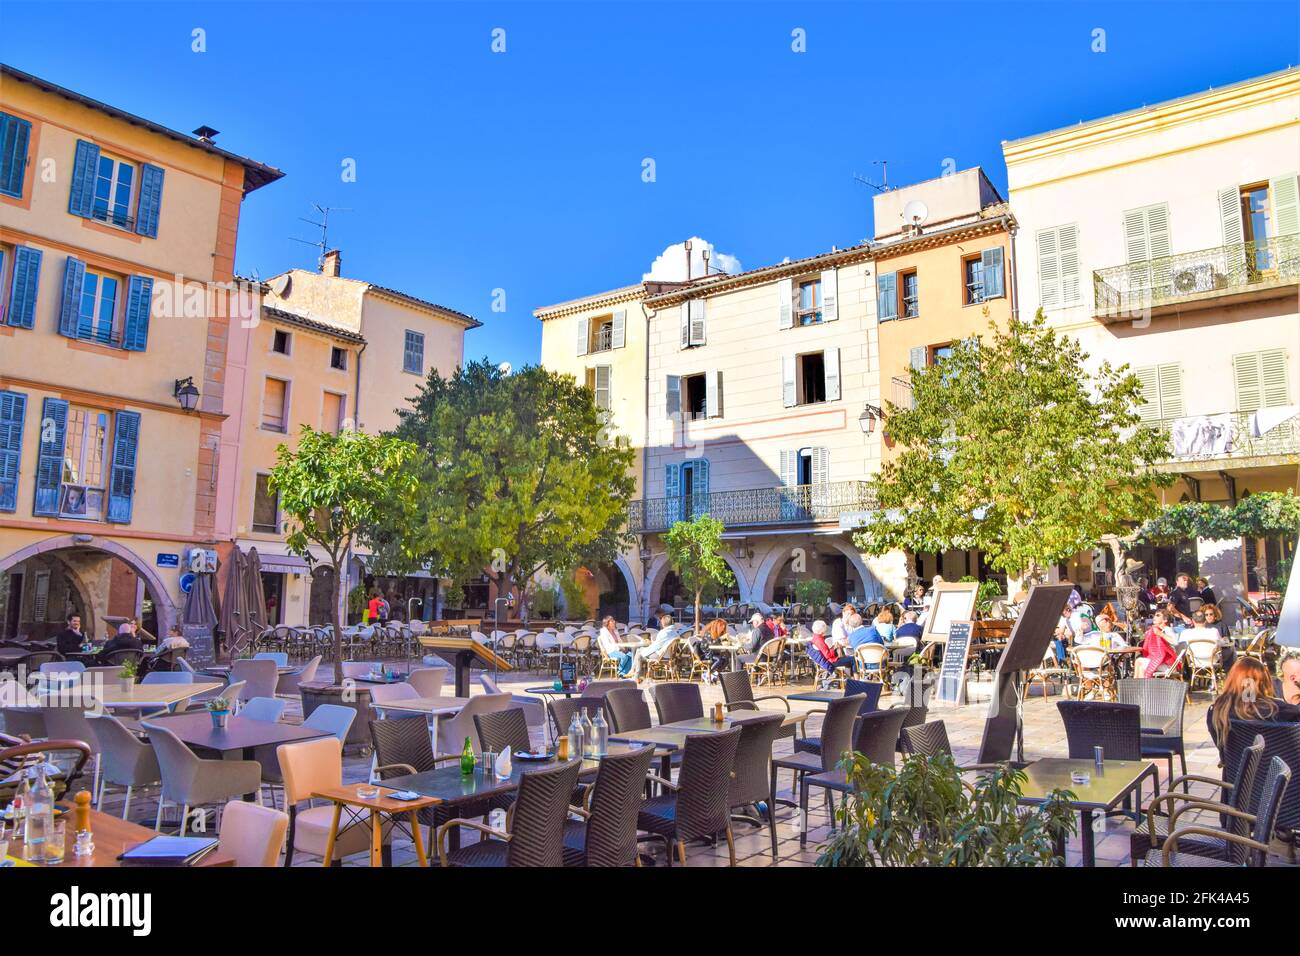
1209	442
602	340
1190	280
756	507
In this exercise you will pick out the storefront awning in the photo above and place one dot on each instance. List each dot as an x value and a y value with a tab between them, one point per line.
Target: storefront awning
282	563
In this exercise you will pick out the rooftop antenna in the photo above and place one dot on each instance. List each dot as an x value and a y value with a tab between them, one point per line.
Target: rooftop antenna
881	187
323	244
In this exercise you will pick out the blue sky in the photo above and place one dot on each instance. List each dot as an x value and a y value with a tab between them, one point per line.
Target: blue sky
522	170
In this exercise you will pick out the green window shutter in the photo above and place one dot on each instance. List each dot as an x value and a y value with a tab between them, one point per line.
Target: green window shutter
1049	269
14	136
1272	377
886	296
1171	390
13	410
673	491
1286	204
1245	371
23	288
49	456
1149	405
1230	215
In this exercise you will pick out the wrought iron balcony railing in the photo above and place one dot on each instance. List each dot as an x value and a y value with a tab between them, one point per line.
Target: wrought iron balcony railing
603	340
1227	437
1138	287
756	507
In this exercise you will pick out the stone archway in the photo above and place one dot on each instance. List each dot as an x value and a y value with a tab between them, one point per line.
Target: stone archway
167	611
659	570
775	559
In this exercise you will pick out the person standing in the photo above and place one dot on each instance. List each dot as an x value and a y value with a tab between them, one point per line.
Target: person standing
1180	602
70	640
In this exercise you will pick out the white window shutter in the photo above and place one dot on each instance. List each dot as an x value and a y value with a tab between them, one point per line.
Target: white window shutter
788	380
1171	390
1245	370
918	357
821	466
1068	246
1149	405
789	468
785	303
1158	231
830	295
1230	215
1049	269
674	390
1135	235
618	334
584	335
1273	384
697	322
1286	204
831	370
686	325
603	394
713	394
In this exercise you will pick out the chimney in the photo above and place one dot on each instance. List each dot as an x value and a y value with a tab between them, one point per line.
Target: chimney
206	134
330	263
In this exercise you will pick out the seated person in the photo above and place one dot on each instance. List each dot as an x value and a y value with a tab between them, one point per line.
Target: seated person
174	641
915	599
1247	694
1158	654
827	653
1107	629
124	640
884	624
608	640
860	634
1088	635
70	639
655	649
1291	679
1206	592
909	627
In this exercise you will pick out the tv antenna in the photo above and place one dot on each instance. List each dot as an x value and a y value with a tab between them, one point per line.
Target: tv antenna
882	186
322	245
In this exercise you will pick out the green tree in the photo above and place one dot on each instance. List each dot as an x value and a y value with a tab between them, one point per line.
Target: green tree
695	553
518	474
1014	448
334	489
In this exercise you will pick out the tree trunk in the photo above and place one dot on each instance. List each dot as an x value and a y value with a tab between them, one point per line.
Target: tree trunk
697	612
340	602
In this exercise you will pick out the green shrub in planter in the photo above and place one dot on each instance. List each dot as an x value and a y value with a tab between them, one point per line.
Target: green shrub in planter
813	591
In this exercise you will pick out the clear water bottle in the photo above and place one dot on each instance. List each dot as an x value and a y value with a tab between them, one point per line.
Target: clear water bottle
40	817
577	735
589	736
600	735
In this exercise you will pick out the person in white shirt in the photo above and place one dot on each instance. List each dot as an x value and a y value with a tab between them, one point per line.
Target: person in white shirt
608	641
655	649
839	630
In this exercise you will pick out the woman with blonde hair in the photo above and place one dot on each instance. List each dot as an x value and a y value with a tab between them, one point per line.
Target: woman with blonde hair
1247	695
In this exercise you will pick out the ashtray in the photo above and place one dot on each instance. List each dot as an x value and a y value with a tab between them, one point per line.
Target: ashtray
1081	777
367	792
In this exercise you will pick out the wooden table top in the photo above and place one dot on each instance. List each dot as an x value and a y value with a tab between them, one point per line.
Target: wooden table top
441	706
347	794
113	837
241	733
1104	790
138	696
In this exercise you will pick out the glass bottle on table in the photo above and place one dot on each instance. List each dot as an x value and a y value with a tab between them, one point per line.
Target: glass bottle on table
467	760
577	736
588	735
40	817
600	735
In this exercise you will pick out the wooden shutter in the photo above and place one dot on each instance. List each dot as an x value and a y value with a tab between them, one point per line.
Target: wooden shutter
81	198
790	468
121	489
673	491
886	296
788	395
821	466
674	391
785	303
1171	390
918	357
151	188
1234	232
697	322
831	373
604	397
1067	239
1245	370
13	410
139	299
699	485
26	281
618	332
991	269
685	337
14	136
1135	236
49	456
584	334
1272	377
1286	204
830	295
1049	269
1149	406
74	277
713	394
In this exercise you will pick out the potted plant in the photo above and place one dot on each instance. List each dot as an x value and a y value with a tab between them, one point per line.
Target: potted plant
219	709
126	676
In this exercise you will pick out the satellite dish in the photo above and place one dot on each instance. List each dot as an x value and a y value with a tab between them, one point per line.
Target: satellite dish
915	212
280	285
505	368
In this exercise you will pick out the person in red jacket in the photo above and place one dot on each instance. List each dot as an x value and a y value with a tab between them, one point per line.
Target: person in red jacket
819	631
1158	654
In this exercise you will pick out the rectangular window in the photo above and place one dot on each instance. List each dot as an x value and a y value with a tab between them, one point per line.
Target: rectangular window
275	409
809	310
812	378
909	295
115	186
338	358
280	341
598	380
413	353
332	412
266	506
602	335
973	276
1261	380
97	314
85	450
1257	223
695	391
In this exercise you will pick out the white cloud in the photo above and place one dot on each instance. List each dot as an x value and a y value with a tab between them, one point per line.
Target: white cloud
670	265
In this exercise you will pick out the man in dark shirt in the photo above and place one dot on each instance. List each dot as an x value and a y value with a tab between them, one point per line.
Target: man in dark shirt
70	639
1180	601
125	640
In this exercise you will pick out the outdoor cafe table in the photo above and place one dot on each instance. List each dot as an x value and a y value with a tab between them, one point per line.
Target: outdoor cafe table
223	670
112	837
1106	789
671	737
346	797
816	696
142	697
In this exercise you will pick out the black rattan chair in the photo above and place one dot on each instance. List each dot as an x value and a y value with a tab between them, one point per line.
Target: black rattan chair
678	701
534	834
562	711
606	836
738	694
503	730
751	782
931	739
1116	728
1280	740
698	805
35	659
836	738
627	710
1157	701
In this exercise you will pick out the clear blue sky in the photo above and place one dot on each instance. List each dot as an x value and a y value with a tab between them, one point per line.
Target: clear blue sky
522	170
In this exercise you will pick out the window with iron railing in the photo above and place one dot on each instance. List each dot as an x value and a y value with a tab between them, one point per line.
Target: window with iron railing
97	313
603	338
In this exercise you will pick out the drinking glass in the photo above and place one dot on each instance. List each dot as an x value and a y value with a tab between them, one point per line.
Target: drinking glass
54	842
4	841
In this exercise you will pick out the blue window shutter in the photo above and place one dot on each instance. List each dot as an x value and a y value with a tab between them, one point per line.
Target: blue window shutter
13	408
887	296
121	487
673	492
74	277
49	458
151	186
81	199
22	293
139	298
991	267
14	135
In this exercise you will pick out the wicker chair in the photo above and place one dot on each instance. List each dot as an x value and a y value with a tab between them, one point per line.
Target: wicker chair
1093	671
1157	701
1238	790
1274	784
766	664
534	833
1116	728
698	805
738	694
664	667
1280	740
1201	662
680	701
751	782
606	834
17	754
873	662
931	739
869	691
627	710
503	730
562	711
836	737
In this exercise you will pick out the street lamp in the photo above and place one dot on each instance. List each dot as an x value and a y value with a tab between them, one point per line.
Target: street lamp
186	395
870	415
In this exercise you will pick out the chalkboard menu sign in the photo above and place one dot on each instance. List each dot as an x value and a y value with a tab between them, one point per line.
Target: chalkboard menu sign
568	674
952	673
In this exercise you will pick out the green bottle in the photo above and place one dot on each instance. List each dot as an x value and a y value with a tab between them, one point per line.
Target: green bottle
467	759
